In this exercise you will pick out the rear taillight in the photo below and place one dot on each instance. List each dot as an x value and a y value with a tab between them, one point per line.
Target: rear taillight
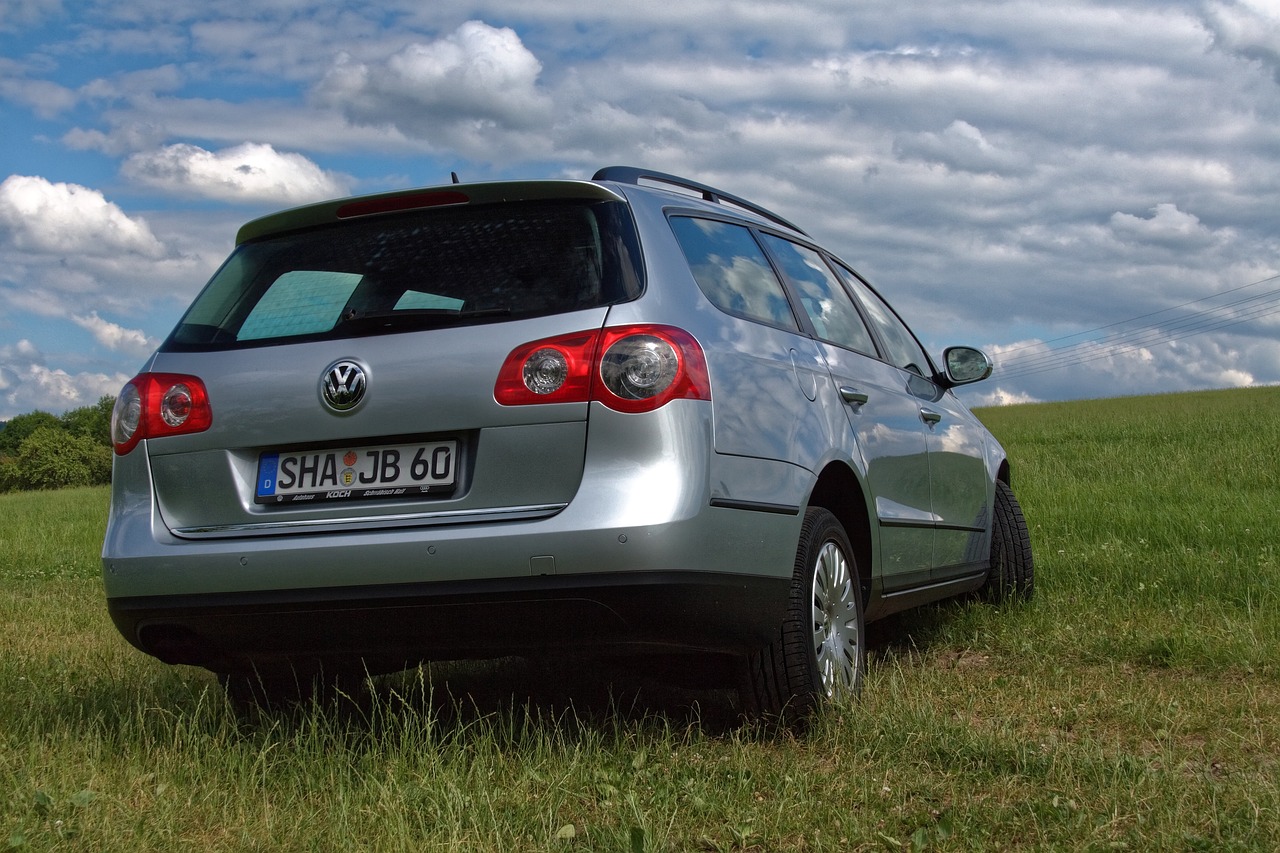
629	369
641	368
154	405
553	370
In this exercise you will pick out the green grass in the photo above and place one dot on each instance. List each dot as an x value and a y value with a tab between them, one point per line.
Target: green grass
1135	704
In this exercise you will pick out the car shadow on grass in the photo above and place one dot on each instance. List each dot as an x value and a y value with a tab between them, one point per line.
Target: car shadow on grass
681	693
915	631
599	694
603	695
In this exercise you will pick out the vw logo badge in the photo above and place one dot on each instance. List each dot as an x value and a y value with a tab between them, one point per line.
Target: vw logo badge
343	385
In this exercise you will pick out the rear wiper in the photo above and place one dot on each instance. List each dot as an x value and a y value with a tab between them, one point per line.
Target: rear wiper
414	318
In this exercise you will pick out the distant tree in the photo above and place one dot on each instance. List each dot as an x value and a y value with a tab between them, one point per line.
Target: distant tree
92	421
52	458
21	426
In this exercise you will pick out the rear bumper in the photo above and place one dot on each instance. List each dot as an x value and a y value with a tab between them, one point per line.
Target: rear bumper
385	628
645	556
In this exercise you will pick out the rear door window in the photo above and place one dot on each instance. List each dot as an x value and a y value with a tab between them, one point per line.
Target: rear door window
829	308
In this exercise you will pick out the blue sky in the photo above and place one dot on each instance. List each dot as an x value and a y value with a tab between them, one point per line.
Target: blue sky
1089	191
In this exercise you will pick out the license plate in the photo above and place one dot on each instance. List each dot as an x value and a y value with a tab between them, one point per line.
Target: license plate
357	473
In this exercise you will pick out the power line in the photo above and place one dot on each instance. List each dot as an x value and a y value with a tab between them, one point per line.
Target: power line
1111	350
1154	313
1139	339
1148	335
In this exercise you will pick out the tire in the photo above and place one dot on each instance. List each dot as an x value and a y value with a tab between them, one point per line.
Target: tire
820	651
1011	576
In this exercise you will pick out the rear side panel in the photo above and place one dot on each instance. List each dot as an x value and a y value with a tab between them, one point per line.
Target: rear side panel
770	430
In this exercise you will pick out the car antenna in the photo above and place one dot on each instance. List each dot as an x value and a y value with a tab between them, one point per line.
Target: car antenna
454	175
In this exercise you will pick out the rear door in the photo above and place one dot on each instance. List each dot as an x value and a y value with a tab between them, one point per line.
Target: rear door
351	366
958	476
882	411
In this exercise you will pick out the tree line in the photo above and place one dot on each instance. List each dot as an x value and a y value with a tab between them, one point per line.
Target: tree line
39	450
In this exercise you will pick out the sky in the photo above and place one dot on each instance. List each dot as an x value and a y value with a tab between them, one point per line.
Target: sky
1088	191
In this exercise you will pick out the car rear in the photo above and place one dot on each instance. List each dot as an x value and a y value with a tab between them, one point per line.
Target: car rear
417	425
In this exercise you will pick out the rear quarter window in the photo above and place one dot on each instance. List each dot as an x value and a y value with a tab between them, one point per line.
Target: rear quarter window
732	271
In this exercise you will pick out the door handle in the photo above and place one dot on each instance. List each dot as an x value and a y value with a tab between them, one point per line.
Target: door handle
853	395
930	416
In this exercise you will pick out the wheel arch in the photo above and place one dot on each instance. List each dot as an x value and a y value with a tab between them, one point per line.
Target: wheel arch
839	491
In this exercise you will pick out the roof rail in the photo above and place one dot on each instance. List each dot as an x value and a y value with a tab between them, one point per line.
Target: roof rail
632	175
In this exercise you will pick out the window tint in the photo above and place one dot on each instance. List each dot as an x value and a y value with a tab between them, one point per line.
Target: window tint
301	302
834	317
901	346
449	266
733	271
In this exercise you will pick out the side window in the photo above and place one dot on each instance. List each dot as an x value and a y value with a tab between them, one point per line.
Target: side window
832	313
901	346
732	270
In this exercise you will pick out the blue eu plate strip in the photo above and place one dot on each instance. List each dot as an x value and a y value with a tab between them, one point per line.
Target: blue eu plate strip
267	466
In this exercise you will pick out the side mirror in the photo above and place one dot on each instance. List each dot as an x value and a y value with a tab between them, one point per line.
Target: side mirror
965	365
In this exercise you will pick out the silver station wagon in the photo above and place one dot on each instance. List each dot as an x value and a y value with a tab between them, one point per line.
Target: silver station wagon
632	416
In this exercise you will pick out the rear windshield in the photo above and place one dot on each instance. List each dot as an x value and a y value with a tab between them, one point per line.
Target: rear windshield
442	267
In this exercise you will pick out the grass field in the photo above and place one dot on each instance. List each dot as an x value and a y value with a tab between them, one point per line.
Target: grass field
1135	704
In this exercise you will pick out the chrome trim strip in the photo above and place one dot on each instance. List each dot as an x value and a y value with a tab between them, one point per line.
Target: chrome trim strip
458	516
964	575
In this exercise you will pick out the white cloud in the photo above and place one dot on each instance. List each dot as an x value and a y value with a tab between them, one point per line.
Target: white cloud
27	383
69	259
1250	28
1151	361
1001	397
285	125
23	349
132	84
45	98
18	12
58	218
246	173
1167	224
477	79
58	390
114	336
135	135
961	147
